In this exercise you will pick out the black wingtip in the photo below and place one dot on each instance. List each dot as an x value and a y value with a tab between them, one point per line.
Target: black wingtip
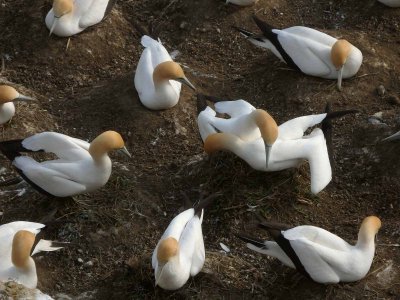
251	240
142	31
264	26
243	31
201	103
204	203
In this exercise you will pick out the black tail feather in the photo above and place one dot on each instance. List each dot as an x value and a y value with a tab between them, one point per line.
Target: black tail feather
251	240
201	103
243	31
13	148
142	31
204	203
265	28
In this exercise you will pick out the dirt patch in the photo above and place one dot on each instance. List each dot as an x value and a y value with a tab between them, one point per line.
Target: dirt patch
89	89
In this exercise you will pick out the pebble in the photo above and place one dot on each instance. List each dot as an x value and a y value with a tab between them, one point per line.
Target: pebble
80	260
89	263
183	25
380	90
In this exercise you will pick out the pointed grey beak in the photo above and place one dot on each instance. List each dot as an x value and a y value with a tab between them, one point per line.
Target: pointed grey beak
393	137
125	152
186	81
24	98
267	153
340	76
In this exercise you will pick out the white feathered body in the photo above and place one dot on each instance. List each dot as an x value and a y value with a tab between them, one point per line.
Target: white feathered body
290	149
391	3
7	111
186	229
164	96
85	13
74	172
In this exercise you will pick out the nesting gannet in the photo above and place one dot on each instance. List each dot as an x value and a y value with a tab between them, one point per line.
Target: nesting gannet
253	135
318	254
180	252
158	78
308	50
14	290
8	95
81	166
69	17
391	3
393	137
242	2
16	248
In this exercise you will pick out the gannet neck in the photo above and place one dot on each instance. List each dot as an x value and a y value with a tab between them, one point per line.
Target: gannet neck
167	250
369	228
339	53
62	7
168	70
21	249
104	143
7	94
220	141
267	126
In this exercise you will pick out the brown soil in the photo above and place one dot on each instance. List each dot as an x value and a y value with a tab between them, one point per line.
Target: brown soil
89	89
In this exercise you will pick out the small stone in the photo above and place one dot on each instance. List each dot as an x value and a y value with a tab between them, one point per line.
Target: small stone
380	90
80	260
393	99
183	25
89	264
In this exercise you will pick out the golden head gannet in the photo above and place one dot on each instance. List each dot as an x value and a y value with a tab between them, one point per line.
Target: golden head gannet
158	79
391	3
393	137
308	50
180	252
242	2
81	167
16	242
8	95
253	135
318	254
69	17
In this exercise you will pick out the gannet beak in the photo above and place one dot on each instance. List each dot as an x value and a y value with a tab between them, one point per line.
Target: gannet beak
55	21
339	81
186	81
393	137
24	98
267	153
125	152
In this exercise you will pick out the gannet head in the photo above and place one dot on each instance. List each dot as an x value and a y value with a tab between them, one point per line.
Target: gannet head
170	70
60	8
219	141
369	228
339	53
21	248
167	252
268	128
106	142
9	94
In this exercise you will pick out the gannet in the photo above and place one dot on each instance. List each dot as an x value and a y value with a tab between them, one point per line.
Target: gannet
16	242
14	290
253	135
393	137
69	17
242	2
318	254
158	78
308	50
180	252
391	3
8	95
81	166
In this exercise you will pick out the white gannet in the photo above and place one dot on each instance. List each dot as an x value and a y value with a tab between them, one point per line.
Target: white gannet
7	96
242	2
14	290
391	3
69	17
393	137
16	242
180	252
158	78
253	135
81	166
318	254
308	50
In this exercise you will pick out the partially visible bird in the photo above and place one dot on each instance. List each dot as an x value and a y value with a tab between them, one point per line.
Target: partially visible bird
158	78
318	254
242	2
253	135
17	245
13	290
180	252
308	50
80	167
393	137
391	3
69	17
8	95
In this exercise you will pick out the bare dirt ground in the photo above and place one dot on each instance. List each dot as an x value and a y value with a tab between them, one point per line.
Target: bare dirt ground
89	89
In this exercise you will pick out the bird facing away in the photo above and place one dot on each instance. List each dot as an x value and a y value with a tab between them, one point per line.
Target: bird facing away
8	95
158	78
308	50
180	252
70	17
318	254
254	136
391	3
80	167
16	242
242	2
